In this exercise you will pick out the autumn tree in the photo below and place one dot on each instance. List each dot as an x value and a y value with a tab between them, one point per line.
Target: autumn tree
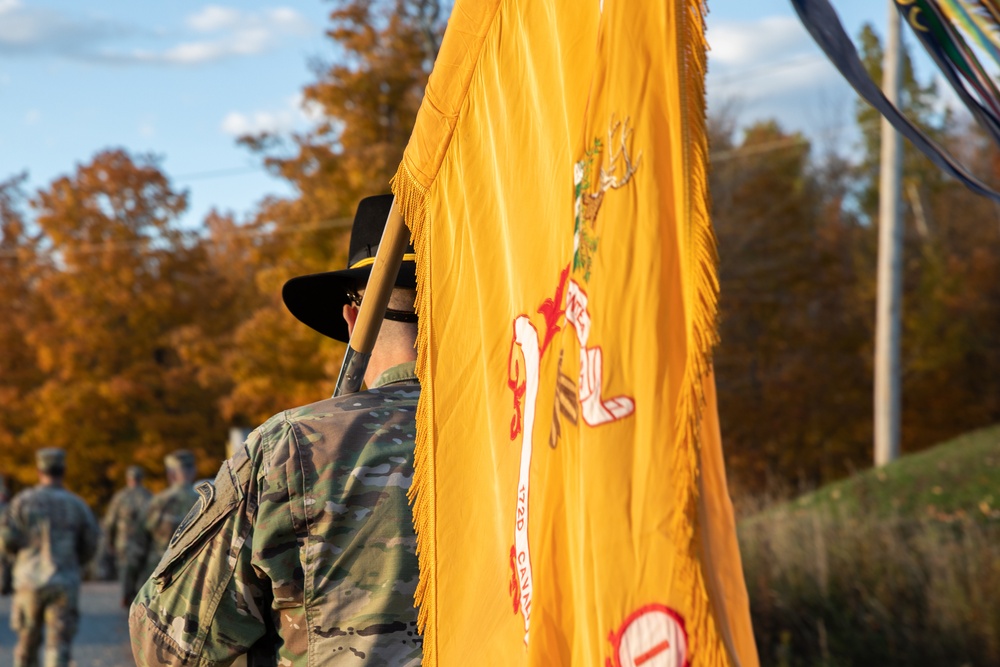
367	98
951	359
950	246
20	264
791	378
124	279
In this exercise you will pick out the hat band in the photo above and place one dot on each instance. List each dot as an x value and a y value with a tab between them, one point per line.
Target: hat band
368	261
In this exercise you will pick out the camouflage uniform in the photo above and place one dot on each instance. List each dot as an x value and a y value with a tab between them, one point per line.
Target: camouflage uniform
121	521
302	551
51	533
162	516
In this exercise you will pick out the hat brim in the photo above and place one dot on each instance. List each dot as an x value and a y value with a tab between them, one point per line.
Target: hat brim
318	299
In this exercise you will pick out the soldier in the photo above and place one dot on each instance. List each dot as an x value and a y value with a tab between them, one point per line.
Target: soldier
6	583
51	533
303	552
121	521
162	516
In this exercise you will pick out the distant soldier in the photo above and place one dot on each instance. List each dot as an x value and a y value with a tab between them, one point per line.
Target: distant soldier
163	514
121	521
6	583
51	534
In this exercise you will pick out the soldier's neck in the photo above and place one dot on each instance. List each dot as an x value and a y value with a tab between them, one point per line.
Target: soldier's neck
50	482
385	357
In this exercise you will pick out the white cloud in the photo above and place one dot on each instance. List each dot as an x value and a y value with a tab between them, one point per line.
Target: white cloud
214	17
32	117
237	123
210	34
295	114
743	42
290	19
762	59
33	30
770	68
235	33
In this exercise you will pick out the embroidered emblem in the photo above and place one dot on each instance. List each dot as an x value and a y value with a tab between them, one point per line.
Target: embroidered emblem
573	398
565	405
651	636
587	204
596	410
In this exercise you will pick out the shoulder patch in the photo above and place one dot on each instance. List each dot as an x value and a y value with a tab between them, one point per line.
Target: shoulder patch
216	500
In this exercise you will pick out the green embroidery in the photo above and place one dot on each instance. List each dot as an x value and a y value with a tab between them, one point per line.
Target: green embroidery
587	204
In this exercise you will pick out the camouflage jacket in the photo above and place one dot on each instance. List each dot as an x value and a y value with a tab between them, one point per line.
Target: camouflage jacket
163	515
121	520
5	577
51	533
301	552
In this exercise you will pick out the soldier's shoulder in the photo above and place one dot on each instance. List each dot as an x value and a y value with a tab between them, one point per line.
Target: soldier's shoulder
160	498
401	396
327	418
121	498
24	495
181	491
32	495
79	503
22	498
329	410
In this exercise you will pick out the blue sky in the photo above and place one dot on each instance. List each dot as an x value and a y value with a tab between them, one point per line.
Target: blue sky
183	79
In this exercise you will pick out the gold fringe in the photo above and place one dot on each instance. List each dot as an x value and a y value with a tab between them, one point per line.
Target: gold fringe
702	286
411	198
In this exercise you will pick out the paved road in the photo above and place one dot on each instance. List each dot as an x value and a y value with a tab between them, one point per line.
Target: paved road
102	640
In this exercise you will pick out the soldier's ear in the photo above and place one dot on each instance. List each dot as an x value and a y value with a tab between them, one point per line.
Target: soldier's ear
351	317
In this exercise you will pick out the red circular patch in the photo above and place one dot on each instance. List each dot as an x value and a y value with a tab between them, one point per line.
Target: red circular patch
651	636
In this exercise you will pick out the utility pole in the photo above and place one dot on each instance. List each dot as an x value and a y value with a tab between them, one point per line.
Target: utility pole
889	308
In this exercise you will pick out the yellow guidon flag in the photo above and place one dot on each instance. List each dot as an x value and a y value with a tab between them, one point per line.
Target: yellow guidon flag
569	497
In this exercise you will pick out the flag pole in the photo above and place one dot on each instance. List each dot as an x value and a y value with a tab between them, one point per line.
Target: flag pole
388	259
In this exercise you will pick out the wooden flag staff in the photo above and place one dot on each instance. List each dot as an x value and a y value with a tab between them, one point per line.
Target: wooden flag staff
388	259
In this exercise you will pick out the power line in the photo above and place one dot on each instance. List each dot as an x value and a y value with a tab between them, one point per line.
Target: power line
766	147
142	244
766	69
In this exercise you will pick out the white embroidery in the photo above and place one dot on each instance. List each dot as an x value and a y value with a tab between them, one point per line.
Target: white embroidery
526	337
596	410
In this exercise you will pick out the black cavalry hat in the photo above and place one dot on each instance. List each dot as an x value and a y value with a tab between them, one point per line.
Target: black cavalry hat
318	299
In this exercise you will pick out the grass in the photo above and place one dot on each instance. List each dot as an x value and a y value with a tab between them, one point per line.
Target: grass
956	479
899	566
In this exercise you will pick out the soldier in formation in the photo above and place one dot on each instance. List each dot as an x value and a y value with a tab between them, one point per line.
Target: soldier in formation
162	516
120	524
51	534
302	551
6	582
